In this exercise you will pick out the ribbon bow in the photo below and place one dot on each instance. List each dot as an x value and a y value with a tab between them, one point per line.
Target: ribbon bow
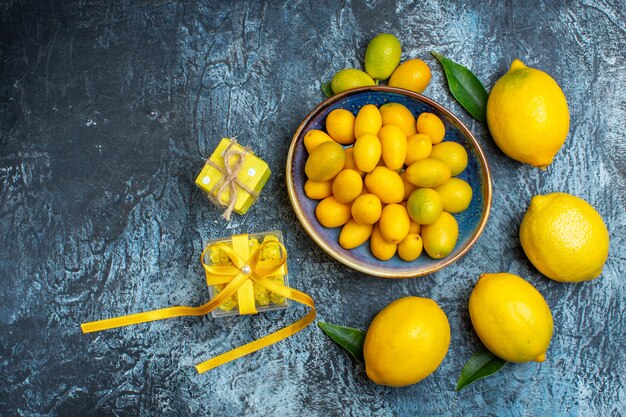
235	275
229	179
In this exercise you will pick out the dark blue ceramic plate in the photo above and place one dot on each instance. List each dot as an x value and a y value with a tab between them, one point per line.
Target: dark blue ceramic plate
471	221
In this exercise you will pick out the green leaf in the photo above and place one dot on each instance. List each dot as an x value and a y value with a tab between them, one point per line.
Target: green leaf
327	89
347	337
465	87
482	364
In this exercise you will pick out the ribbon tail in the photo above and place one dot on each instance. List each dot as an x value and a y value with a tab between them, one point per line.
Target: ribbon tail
145	317
166	313
271	338
257	344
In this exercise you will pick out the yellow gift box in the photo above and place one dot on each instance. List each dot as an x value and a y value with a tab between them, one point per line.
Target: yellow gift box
239	266
233	177
250	298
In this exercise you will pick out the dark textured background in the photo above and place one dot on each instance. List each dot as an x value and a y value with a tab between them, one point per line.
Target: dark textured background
107	110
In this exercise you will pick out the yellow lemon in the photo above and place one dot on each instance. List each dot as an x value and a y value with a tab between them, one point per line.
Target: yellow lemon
313	138
368	120
564	237
428	173
418	147
413	74
340	126
325	161
511	317
406	342
385	184
424	205
393	146
411	247
527	115
456	195
318	190
452	154
331	213
354	234
366	209
394	223
347	186
440	237
382	56
367	152
399	115
431	125
350	78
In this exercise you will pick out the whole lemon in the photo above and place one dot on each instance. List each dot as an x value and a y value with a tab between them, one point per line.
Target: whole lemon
367	151
350	78
440	236
428	172
386	184
331	213
394	223
318	190
411	247
511	317
424	205
340	126
412	74
564	237
393	146
366	209
354	234
527	115
456	195
406	342
347	186
382	56
325	161
368	120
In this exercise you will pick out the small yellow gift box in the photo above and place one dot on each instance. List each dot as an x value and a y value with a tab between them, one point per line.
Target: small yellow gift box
251	297
233	177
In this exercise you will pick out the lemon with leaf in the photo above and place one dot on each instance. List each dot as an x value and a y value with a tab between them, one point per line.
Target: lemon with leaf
511	317
527	115
406	342
350	78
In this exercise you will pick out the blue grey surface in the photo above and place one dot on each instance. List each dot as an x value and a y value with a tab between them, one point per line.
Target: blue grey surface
107	110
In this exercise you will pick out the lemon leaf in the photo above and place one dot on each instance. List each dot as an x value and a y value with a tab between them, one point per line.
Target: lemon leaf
482	364
465	87
327	89
348	338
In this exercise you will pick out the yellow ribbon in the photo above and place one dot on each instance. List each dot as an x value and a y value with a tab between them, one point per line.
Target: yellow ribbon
236	275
